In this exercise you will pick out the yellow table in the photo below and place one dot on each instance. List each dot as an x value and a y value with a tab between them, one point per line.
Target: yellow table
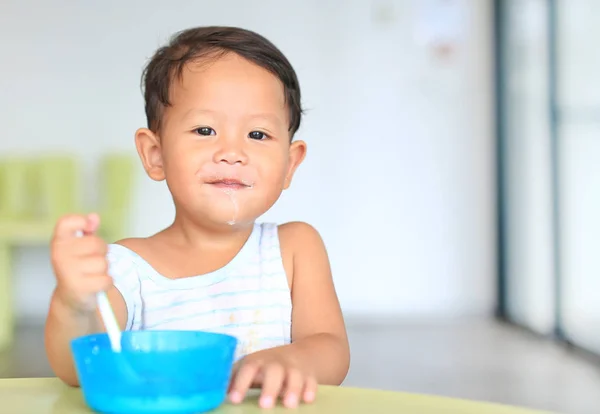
50	396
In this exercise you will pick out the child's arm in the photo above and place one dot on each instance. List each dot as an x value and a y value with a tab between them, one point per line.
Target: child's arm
319	352
64	324
80	267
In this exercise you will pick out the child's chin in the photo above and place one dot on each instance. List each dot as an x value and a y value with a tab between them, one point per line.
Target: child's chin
227	218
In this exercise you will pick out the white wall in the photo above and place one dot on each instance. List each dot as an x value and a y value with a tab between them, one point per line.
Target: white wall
579	180
399	177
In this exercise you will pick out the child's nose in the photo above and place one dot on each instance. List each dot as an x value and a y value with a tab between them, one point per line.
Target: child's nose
231	153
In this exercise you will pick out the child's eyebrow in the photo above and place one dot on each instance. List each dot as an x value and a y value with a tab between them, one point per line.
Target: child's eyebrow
267	117
197	111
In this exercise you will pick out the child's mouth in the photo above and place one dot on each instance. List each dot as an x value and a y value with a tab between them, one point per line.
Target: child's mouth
229	184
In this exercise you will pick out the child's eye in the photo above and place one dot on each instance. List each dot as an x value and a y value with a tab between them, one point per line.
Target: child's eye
257	135
205	131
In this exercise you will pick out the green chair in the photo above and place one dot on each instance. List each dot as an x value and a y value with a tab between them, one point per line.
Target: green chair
117	178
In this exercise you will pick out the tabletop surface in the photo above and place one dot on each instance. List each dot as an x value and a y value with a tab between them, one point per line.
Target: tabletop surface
49	395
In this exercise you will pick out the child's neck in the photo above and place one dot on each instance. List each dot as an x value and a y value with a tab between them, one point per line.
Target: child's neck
192	235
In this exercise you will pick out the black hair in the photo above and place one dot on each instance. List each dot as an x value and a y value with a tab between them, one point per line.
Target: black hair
190	45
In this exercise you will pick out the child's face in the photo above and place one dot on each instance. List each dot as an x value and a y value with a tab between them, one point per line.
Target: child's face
224	146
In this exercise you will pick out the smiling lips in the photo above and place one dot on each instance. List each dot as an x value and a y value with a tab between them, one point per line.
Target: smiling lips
229	184
226	177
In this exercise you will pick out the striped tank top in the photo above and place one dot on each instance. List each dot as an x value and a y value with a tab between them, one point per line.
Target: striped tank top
248	298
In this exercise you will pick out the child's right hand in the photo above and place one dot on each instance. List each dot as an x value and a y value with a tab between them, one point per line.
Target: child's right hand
79	263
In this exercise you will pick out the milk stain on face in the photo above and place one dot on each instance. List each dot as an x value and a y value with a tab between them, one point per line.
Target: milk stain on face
235	202
236	206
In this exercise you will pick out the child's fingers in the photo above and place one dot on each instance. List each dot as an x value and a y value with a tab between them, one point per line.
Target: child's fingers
88	246
310	389
294	384
273	378
68	226
234	372
242	381
94	265
93	222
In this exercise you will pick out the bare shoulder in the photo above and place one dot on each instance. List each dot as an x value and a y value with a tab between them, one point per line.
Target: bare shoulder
133	243
142	246
303	253
298	235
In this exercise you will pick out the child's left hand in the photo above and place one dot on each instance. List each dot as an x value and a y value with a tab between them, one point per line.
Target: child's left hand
277	375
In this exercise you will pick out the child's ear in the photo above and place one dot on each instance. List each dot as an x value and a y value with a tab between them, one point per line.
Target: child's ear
148	148
296	156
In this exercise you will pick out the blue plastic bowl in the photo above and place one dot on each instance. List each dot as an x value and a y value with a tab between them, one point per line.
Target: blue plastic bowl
156	372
